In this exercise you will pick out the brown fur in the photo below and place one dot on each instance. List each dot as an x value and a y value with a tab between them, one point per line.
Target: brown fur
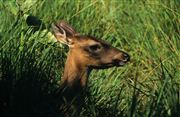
85	53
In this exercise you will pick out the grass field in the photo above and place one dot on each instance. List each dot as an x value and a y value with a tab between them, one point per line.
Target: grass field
32	62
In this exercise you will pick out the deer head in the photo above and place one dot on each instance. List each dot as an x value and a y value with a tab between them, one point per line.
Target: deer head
86	52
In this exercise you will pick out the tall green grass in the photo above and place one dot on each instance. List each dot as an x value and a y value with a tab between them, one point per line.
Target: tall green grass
32	62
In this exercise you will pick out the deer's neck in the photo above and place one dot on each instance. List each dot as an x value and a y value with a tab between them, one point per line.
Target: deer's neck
75	74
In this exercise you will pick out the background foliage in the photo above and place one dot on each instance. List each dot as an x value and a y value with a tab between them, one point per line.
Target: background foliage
31	62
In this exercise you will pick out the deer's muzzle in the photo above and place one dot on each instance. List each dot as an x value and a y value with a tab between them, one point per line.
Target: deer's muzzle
120	59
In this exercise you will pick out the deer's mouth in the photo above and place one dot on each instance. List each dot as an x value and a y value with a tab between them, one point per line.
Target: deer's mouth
109	65
120	63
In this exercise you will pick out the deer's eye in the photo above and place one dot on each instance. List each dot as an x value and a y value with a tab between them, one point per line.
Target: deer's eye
95	48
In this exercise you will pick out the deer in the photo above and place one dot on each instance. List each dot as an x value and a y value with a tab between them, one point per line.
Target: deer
85	54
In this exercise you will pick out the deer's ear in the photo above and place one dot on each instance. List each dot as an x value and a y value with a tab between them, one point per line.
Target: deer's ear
64	33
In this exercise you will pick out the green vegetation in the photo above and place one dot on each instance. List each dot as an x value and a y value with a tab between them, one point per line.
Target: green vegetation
32	63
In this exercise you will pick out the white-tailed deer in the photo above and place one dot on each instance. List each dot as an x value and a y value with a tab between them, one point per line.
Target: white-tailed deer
85	53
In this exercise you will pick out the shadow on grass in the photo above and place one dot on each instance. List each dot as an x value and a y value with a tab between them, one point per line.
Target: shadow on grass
26	92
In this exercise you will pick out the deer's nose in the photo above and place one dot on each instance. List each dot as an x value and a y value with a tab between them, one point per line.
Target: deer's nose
126	57
121	57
